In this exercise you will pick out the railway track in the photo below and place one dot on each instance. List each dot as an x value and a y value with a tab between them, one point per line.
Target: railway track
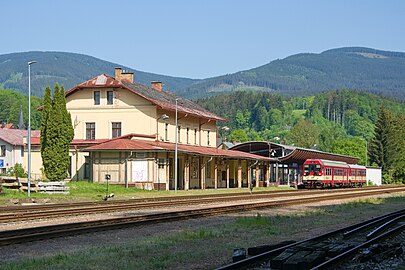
24	208
44	232
15	214
328	250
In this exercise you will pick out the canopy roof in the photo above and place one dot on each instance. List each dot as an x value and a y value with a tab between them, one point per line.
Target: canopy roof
127	144
299	155
290	154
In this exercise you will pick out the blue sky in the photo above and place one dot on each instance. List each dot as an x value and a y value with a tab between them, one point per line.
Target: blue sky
199	39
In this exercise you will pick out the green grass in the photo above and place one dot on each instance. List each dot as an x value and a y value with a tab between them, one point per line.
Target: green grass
87	191
203	245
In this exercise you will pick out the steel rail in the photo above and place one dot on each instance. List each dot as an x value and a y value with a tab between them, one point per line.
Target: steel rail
23	208
268	254
13	217
348	253
384	226
44	232
366	226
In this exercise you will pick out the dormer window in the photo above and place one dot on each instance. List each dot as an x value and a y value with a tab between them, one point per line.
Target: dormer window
96	97
110	97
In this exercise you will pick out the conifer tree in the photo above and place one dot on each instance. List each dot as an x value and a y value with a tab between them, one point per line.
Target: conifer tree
58	133
46	111
382	147
398	148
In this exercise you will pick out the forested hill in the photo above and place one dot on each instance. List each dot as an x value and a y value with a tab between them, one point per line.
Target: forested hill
329	116
343	122
375	71
68	69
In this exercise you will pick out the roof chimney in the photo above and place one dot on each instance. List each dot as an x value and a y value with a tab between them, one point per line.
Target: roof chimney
118	73
157	85
123	75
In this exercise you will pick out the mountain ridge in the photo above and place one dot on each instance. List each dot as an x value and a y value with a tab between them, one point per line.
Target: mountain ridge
68	69
359	68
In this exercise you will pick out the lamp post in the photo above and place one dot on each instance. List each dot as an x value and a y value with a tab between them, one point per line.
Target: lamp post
175	151
29	126
225	129
164	117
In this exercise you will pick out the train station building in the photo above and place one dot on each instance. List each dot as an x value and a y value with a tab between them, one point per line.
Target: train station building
134	132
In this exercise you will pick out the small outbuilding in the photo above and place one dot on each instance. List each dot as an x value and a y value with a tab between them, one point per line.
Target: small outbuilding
374	176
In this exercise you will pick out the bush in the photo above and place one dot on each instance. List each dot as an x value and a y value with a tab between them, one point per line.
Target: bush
18	171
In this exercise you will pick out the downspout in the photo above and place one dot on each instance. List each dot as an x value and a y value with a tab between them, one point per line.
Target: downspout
77	162
126	170
206	166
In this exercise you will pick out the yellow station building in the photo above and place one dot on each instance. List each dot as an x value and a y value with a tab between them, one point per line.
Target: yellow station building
128	131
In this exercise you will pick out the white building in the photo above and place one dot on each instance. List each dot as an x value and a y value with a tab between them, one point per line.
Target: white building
373	176
12	147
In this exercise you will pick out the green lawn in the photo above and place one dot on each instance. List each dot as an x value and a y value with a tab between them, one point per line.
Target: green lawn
85	191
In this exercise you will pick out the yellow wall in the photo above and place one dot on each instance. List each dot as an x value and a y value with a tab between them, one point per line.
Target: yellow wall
193	124
136	114
36	162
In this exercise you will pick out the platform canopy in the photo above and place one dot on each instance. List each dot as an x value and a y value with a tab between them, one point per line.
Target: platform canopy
299	155
289	154
265	149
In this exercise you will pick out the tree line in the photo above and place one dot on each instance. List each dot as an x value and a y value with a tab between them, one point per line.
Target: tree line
10	104
52	118
341	122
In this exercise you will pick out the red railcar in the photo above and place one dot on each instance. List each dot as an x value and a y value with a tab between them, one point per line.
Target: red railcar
318	173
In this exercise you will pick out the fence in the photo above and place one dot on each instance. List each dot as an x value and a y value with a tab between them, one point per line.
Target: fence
35	186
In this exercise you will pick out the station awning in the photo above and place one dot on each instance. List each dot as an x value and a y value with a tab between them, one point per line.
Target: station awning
127	144
299	155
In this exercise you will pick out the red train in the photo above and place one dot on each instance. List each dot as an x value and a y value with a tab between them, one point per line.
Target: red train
318	173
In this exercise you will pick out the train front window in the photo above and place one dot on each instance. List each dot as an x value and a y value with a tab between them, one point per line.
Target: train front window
312	169
306	169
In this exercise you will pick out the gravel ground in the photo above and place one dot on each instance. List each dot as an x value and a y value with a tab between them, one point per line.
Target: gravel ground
76	243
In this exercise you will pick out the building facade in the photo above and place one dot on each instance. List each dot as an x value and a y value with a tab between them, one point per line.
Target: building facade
129	131
12	148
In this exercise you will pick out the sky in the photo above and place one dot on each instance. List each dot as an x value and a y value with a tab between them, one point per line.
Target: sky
199	39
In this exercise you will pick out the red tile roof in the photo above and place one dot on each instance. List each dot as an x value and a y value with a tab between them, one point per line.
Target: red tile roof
75	142
7	126
302	154
153	146
16	136
162	99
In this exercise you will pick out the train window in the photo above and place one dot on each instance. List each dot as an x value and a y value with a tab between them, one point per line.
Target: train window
312	168
317	168
306	169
